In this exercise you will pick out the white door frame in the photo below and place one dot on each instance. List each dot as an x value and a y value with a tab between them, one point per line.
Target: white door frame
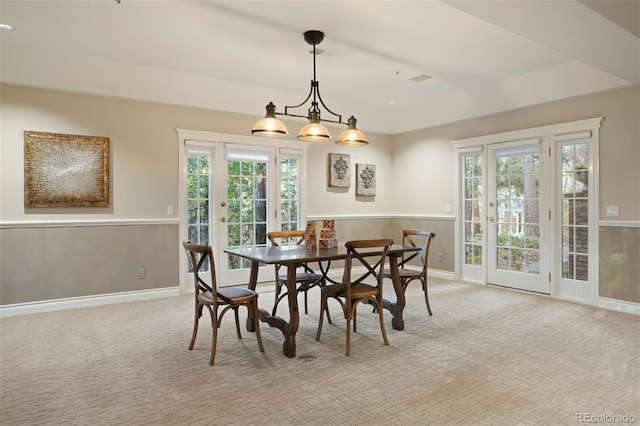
550	132
568	289
217	141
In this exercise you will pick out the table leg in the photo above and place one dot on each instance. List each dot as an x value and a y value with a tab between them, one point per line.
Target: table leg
290	329
397	322
253	280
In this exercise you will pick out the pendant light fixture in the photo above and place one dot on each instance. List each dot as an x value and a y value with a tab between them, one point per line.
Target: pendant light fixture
271	126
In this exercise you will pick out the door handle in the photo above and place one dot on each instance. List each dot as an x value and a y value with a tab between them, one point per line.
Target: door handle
223	204
223	219
491	219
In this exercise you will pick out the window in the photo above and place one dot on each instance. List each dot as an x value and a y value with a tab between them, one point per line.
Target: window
574	159
518	213
198	196
247	190
289	193
198	179
472	175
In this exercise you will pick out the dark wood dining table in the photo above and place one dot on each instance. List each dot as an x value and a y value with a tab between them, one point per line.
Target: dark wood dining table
293	257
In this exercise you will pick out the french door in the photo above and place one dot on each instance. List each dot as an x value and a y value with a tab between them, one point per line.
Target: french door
233	190
247	194
518	242
527	209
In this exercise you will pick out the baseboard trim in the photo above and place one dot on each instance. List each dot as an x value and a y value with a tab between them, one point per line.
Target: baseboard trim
619	305
86	301
437	273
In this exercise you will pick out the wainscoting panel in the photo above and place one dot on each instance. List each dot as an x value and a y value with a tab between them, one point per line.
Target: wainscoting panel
620	263
442	250
363	227
58	262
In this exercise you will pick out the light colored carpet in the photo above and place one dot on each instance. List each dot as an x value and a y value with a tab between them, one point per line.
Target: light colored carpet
488	356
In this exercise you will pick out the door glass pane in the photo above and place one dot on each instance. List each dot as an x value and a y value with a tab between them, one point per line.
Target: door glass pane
574	160
198	193
531	262
473	208
246	206
289	191
518	213
582	267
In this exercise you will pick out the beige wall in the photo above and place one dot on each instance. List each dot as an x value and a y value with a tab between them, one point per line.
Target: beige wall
426	156
144	148
64	257
330	201
441	251
144	154
414	180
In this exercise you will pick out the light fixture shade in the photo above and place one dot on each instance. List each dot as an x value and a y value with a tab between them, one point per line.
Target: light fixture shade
270	126
314	132
352	136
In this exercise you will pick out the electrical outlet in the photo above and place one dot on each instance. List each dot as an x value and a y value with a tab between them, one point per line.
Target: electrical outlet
141	273
611	210
440	257
448	209
169	210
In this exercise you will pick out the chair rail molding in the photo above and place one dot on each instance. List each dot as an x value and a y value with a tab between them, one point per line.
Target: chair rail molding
79	223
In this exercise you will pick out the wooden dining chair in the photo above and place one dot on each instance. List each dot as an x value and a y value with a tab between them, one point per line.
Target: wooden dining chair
306	278
415	238
201	257
353	290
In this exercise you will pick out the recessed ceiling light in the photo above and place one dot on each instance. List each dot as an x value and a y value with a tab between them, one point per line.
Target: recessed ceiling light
391	102
4	26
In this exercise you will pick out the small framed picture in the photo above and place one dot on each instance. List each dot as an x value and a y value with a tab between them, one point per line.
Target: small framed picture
365	179
340	170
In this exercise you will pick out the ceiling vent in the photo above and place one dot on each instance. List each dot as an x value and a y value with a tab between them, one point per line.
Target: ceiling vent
419	78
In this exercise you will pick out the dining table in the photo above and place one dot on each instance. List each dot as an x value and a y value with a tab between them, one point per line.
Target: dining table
293	257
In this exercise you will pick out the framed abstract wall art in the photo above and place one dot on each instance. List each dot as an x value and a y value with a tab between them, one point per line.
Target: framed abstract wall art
65	170
365	179
340	170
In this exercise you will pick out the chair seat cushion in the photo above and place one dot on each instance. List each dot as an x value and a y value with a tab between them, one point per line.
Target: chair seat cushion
404	273
237	294
357	291
302	276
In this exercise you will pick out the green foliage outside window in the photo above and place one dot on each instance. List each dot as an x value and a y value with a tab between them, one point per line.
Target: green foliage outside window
246	201
289	193
473	208
198	168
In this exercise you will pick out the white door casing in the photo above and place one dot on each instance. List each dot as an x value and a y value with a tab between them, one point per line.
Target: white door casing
217	144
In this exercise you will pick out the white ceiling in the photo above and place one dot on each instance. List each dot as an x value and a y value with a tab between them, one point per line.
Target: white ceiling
483	56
